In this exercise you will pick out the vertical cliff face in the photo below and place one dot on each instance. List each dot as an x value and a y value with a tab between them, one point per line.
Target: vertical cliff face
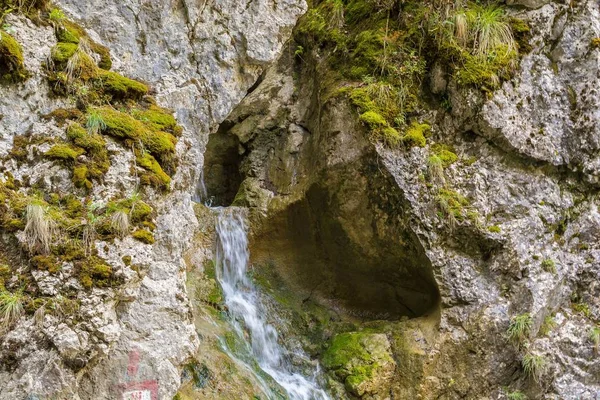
199	58
423	214
496	202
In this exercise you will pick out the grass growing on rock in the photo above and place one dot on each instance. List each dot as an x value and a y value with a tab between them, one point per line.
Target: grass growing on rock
108	104
381	52
534	365
520	328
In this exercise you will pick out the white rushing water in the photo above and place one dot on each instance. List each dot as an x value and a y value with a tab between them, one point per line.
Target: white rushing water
244	305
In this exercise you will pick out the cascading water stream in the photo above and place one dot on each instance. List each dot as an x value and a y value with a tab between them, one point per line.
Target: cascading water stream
243	303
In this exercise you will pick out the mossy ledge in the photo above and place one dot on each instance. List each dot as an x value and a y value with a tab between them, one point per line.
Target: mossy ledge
379	54
107	104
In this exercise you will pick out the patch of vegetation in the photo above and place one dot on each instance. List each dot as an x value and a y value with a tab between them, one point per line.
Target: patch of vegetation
520	328
11	308
547	326
12	65
494	229
94	271
595	337
582	308
350	360
455	207
380	51
64	152
534	366
516	395
143	236
416	135
435	167
549	265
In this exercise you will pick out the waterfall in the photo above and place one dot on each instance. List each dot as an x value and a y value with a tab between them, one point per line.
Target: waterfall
248	314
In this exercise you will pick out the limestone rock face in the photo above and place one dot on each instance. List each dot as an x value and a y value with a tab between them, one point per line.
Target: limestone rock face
525	175
549	113
200	58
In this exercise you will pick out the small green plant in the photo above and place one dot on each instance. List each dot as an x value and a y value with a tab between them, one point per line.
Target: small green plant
549	265
299	52
89	229
516	395
435	167
494	229
520	328
547	326
11	308
534	366
595	338
56	16
582	308
94	123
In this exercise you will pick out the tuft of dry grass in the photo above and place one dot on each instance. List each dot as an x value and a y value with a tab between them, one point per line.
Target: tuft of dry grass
39	229
119	223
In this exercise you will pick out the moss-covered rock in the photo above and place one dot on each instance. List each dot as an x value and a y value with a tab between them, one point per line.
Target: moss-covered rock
69	32
12	66
94	271
158	118
121	87
123	126
362	361
415	135
144	236
62	52
64	152
155	176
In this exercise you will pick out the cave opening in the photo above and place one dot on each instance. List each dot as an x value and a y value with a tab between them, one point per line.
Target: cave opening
348	245
221	174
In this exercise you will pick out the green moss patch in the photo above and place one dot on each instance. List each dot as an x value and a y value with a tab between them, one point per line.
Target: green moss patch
12	66
143	236
357	358
415	135
64	152
122	87
95	272
445	153
158	118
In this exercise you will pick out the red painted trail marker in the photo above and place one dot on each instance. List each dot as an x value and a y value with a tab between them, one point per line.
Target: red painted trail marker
137	390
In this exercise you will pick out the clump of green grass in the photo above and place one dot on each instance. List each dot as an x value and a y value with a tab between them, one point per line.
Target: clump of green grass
11	308
534	365
455	207
516	395
94	122
120	223
56	16
520	328
549	265
480	40
435	167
